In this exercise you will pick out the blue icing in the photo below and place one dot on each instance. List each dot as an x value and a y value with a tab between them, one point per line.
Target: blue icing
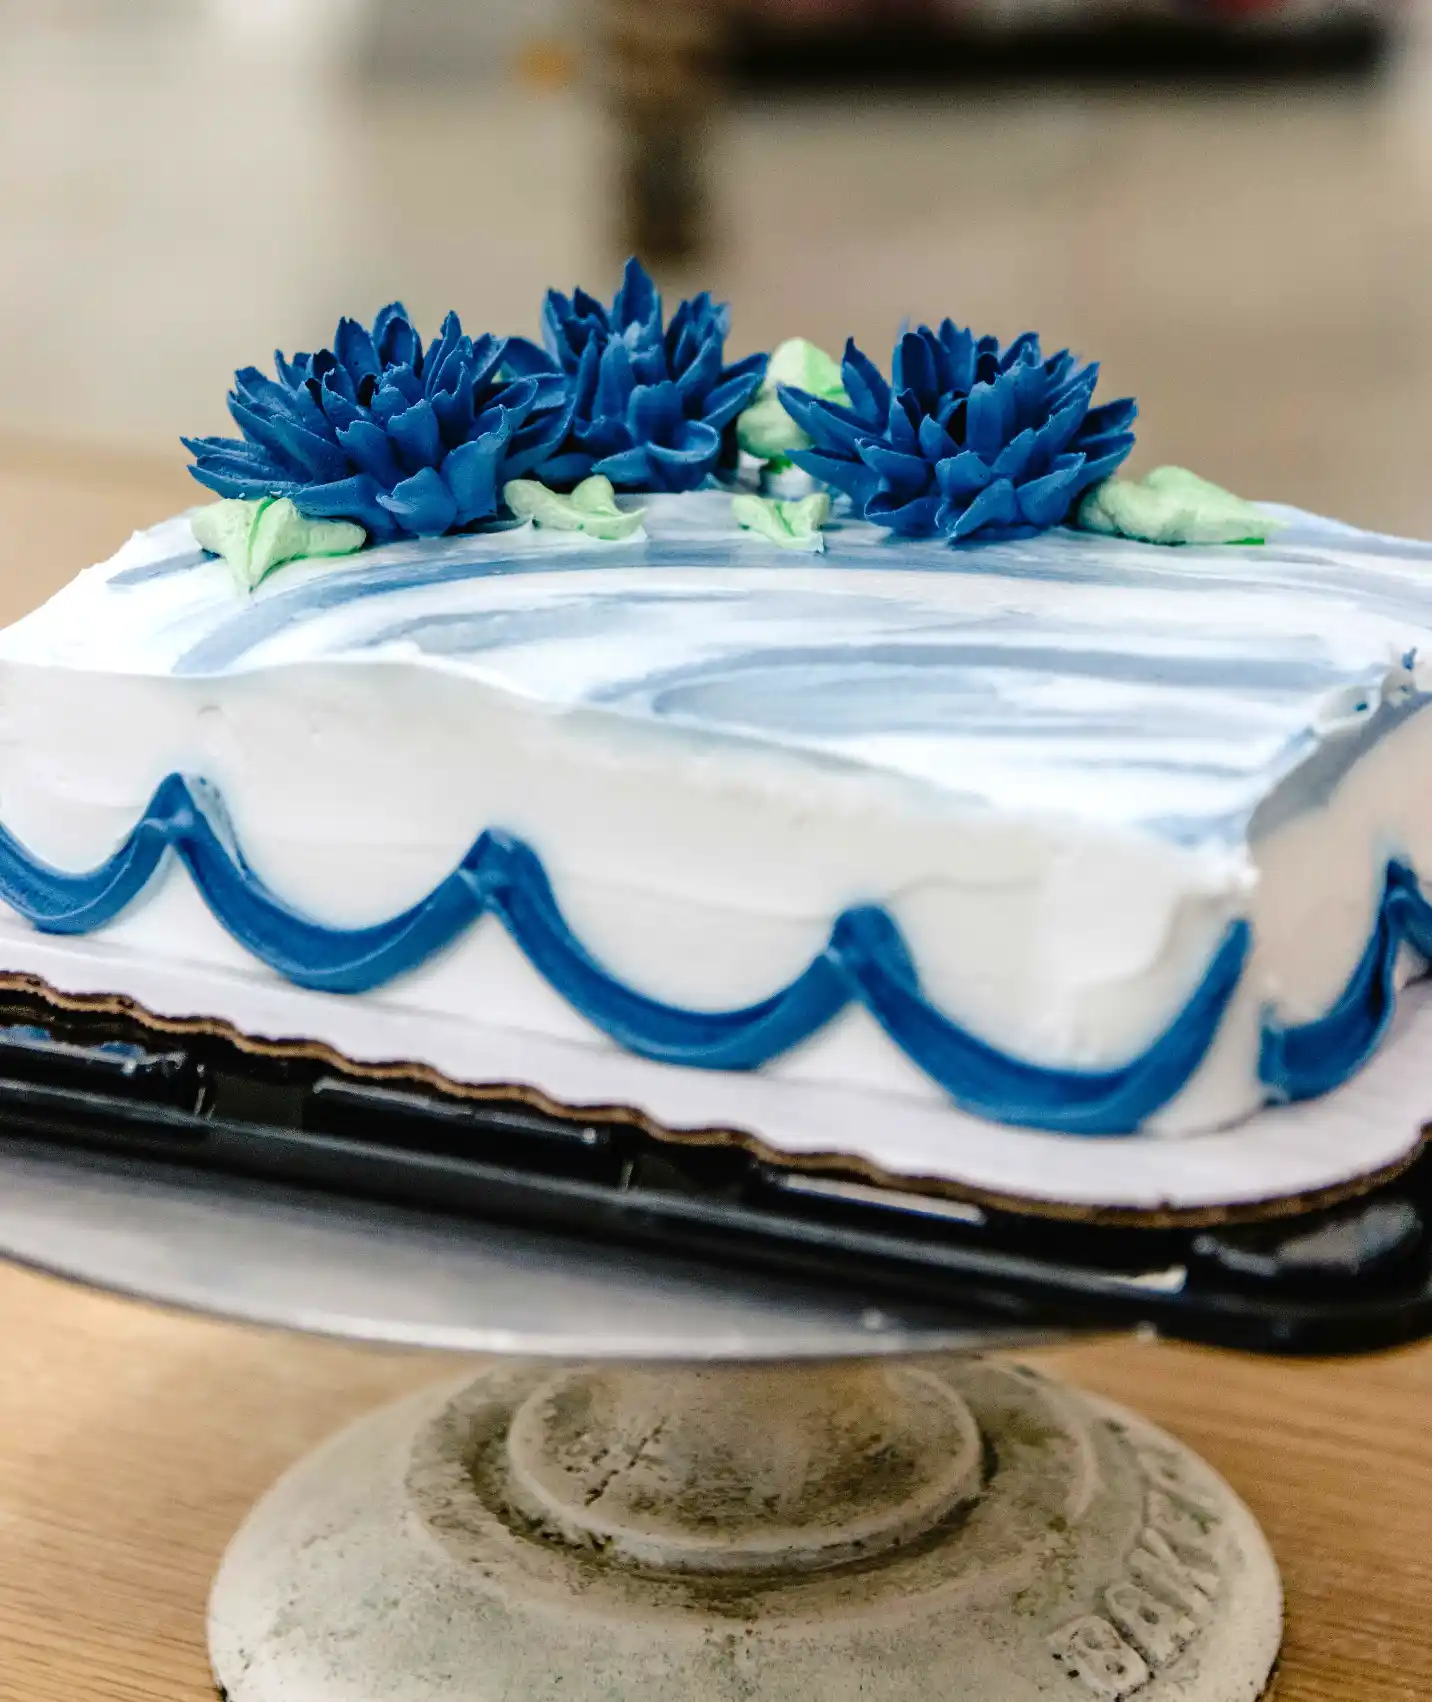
423	570
965	664
1313	1057
1314	780
866	962
402	438
471	633
862	694
967	440
165	569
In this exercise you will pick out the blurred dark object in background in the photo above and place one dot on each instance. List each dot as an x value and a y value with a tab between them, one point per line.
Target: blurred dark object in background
671	61
773	45
665	67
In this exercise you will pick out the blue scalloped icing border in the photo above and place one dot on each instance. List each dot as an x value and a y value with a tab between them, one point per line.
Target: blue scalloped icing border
865	961
1305	1059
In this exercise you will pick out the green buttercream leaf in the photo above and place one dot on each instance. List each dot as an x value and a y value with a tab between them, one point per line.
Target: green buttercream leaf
765	429
1173	506
793	525
801	363
768	432
591	508
255	537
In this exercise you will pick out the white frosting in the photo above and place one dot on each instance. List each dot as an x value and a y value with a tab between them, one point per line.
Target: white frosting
1063	767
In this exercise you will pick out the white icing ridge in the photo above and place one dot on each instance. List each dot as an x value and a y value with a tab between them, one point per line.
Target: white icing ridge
1062	765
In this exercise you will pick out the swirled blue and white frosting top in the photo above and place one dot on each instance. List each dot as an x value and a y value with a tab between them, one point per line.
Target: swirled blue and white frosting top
1168	688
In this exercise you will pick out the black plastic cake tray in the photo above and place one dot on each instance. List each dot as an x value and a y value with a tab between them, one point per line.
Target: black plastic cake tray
1348	1277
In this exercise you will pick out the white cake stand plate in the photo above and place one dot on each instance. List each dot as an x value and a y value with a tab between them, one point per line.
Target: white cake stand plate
748	1492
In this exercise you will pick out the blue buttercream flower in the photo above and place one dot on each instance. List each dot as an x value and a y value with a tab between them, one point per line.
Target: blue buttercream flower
379	430
651	403
969	440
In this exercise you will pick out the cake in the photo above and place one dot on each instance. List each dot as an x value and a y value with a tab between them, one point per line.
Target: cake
601	719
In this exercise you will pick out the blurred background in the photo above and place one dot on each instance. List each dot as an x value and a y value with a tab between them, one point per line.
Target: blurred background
1227	205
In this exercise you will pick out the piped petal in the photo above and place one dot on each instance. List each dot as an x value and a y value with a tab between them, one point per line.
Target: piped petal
470	474
422	505
996	505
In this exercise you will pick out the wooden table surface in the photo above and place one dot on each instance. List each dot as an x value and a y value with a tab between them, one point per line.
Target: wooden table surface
132	1441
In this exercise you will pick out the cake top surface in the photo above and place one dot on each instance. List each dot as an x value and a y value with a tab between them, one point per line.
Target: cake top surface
1194	693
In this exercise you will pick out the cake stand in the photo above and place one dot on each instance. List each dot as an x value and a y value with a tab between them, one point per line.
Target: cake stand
668	1482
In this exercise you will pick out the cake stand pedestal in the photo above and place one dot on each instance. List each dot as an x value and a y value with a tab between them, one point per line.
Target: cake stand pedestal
745	1493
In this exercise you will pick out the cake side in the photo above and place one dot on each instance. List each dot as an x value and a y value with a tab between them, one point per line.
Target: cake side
715	754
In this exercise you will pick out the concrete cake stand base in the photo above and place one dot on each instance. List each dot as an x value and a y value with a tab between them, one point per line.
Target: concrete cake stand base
897	1531
765	1491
